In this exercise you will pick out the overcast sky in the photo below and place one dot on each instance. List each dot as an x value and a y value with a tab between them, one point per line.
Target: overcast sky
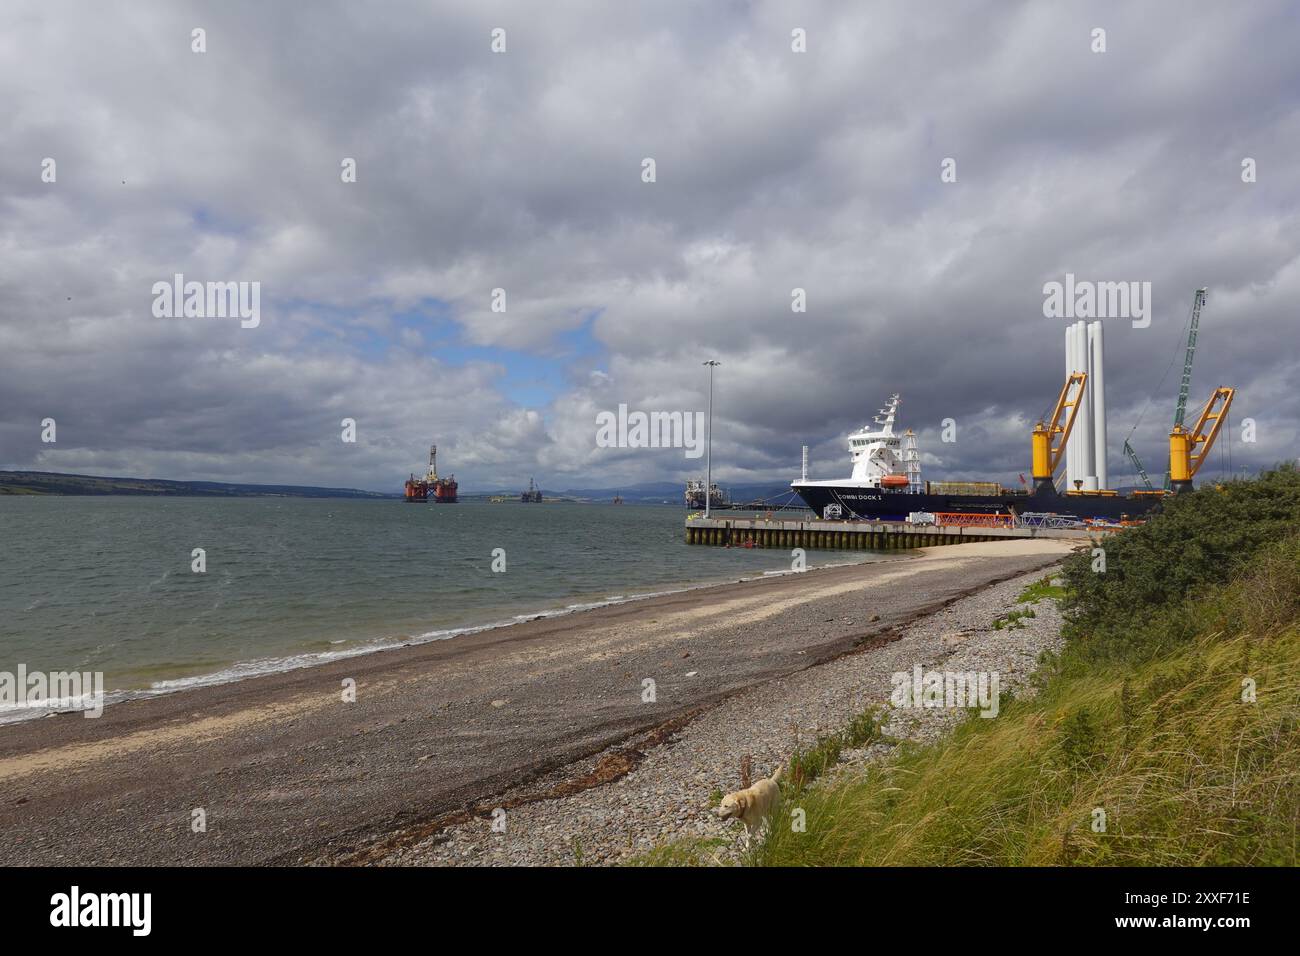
522	170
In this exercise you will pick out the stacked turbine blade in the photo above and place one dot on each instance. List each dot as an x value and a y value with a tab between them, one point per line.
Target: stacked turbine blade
1085	452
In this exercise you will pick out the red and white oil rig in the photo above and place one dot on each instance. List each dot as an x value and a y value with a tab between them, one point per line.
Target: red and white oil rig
442	490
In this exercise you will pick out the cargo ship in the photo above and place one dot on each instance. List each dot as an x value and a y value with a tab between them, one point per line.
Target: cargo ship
441	490
886	480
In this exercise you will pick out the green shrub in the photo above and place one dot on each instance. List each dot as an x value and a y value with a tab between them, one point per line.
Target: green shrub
1198	541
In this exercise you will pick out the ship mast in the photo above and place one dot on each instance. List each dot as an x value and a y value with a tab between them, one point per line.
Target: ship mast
885	417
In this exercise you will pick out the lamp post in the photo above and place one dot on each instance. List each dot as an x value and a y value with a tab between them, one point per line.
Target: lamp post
708	461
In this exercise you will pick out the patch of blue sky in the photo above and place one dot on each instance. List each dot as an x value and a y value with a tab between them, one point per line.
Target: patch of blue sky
530	378
209	220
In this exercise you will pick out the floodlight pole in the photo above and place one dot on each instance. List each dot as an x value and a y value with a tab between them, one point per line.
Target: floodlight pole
708	461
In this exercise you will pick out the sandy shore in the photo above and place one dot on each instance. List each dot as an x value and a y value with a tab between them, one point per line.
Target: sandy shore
286	771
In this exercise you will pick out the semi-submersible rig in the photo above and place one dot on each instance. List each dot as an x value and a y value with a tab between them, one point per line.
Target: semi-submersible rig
441	490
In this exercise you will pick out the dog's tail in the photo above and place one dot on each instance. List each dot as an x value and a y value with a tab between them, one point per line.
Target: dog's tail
776	775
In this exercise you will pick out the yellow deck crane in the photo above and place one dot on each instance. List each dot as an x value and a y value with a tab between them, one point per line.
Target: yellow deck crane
1189	449
1045	457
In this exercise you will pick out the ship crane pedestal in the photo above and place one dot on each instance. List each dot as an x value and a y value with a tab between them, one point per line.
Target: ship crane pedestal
1188	449
1045	457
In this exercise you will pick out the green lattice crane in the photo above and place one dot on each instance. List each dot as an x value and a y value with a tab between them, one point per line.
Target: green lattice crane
1137	463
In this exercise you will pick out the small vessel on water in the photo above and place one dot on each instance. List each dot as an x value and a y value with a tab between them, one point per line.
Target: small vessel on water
695	495
442	490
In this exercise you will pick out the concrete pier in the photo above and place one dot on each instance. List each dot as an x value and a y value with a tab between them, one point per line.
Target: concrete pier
854	535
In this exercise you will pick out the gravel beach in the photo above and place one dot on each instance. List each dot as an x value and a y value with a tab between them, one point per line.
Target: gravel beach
288	771
667	796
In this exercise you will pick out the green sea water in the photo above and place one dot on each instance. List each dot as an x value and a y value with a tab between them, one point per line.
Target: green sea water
106	584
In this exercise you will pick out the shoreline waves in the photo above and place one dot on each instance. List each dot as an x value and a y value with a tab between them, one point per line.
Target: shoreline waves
234	671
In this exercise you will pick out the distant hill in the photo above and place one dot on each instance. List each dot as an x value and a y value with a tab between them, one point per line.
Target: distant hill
658	492
53	483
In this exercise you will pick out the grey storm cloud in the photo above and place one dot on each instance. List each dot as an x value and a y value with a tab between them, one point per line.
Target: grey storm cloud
522	170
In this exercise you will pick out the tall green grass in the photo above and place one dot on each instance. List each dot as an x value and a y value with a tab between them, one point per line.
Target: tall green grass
1139	748
1184	772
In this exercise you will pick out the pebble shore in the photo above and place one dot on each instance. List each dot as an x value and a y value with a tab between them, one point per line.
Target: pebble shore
667	794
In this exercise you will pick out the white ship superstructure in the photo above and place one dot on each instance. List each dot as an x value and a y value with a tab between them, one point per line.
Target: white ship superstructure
876	454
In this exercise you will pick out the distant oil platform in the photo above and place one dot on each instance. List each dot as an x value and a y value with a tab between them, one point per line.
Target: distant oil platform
442	490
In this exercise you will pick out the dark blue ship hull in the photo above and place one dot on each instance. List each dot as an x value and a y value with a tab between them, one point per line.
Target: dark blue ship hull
888	505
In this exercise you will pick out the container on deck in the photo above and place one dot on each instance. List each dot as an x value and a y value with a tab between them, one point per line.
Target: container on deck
963	488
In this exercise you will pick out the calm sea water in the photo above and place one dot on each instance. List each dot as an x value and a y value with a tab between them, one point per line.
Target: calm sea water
105	584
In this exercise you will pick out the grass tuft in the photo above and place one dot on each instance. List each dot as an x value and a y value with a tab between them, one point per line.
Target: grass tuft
806	765
1042	590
